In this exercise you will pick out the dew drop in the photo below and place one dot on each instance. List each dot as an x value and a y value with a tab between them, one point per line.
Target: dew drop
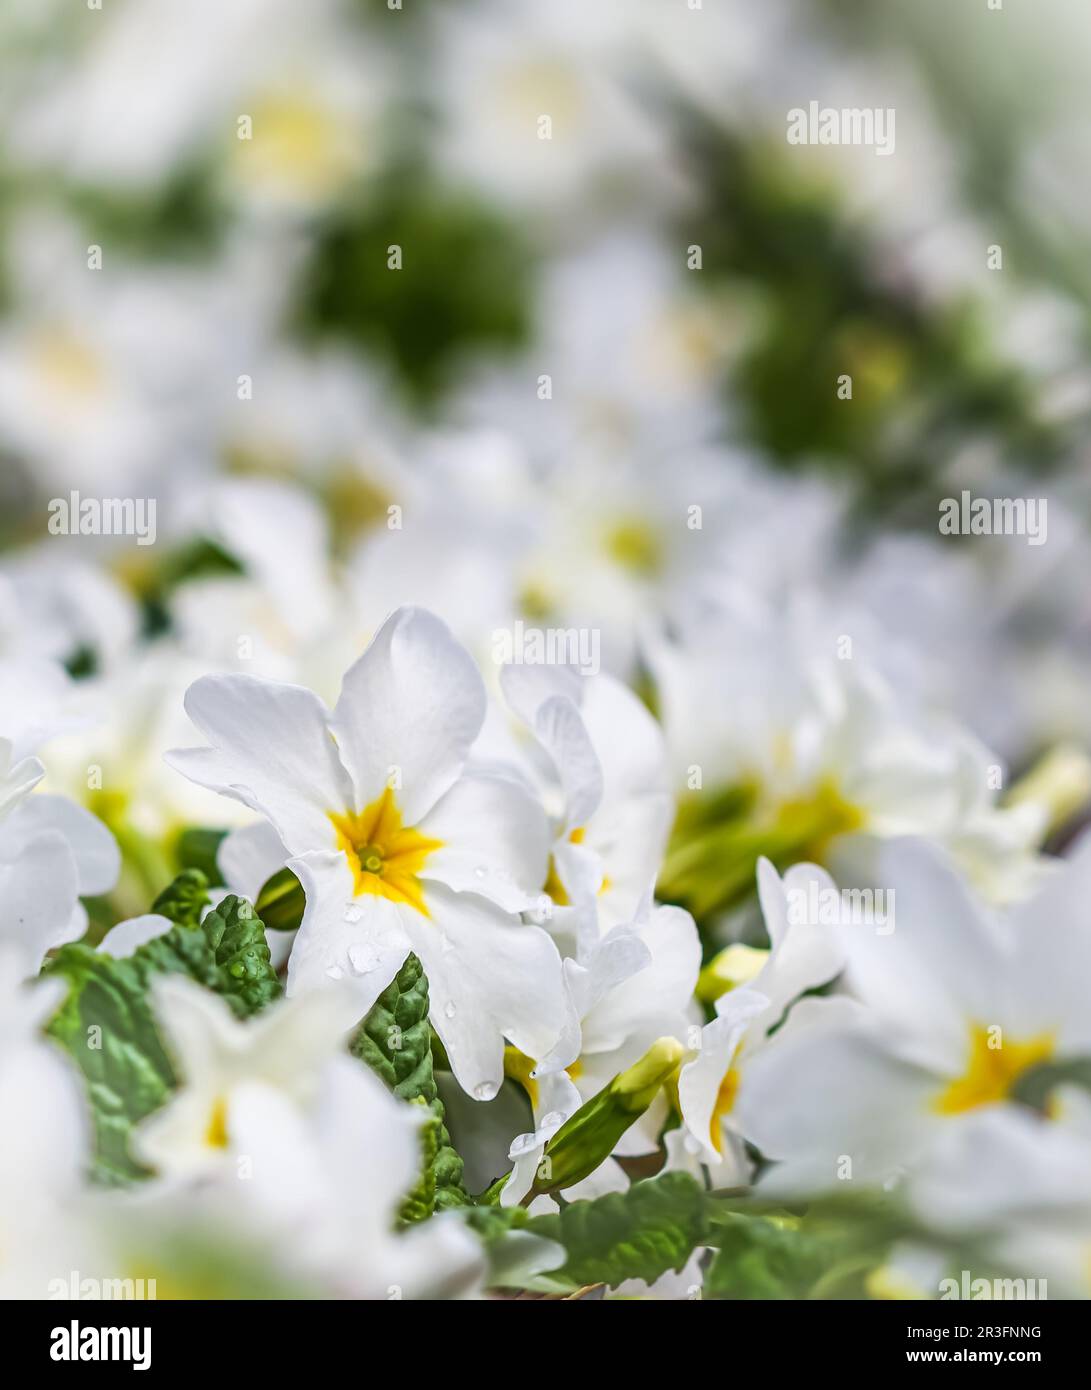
553	1120
521	1144
335	972
353	913
449	1009
362	959
485	1090
481	871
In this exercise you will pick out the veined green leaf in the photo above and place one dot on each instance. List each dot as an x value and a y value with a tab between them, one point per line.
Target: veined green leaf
395	1041
640	1234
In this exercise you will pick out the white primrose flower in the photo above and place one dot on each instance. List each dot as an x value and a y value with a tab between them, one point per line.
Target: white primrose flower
313	92
494	80
399	848
605	783
52	852
320	1166
825	761
221	1060
626	989
1017	1185
46	1139
64	611
951	1010
714	1086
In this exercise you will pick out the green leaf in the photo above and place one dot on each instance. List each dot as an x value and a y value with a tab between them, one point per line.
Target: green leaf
395	1040
184	899
421	1201
765	1257
640	1234
1037	1084
197	848
516	1257
237	935
281	901
107	1024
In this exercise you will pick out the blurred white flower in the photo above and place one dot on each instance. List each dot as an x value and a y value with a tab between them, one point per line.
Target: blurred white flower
953	1008
223	1062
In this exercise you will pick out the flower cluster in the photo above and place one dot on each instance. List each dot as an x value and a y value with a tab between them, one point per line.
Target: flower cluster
544	740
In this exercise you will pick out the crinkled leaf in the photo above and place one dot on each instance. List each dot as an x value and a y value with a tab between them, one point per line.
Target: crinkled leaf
395	1040
184	899
236	934
640	1234
765	1257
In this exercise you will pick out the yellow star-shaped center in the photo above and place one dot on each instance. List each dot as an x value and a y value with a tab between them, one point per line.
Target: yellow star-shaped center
385	856
994	1065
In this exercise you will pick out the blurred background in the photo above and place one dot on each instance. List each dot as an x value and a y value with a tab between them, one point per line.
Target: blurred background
320	282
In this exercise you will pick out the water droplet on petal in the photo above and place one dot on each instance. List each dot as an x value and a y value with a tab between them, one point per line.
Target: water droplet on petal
521	1144
485	1090
553	1120
449	1009
353	912
335	972
363	959
481	871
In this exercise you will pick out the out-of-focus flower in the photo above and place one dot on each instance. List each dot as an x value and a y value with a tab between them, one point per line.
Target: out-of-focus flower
955	1006
802	758
222	1063
46	1139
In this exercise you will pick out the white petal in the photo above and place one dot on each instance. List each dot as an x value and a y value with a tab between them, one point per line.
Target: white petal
700	1080
654	1000
249	856
816	1095
272	750
944	965
412	706
495	841
489	978
123	939
16	778
39	893
98	859
627	739
804	954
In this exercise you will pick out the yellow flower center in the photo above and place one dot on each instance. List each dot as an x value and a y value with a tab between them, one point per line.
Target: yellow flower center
995	1064
385	856
298	141
216	1133
635	545
725	1103
70	367
553	885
